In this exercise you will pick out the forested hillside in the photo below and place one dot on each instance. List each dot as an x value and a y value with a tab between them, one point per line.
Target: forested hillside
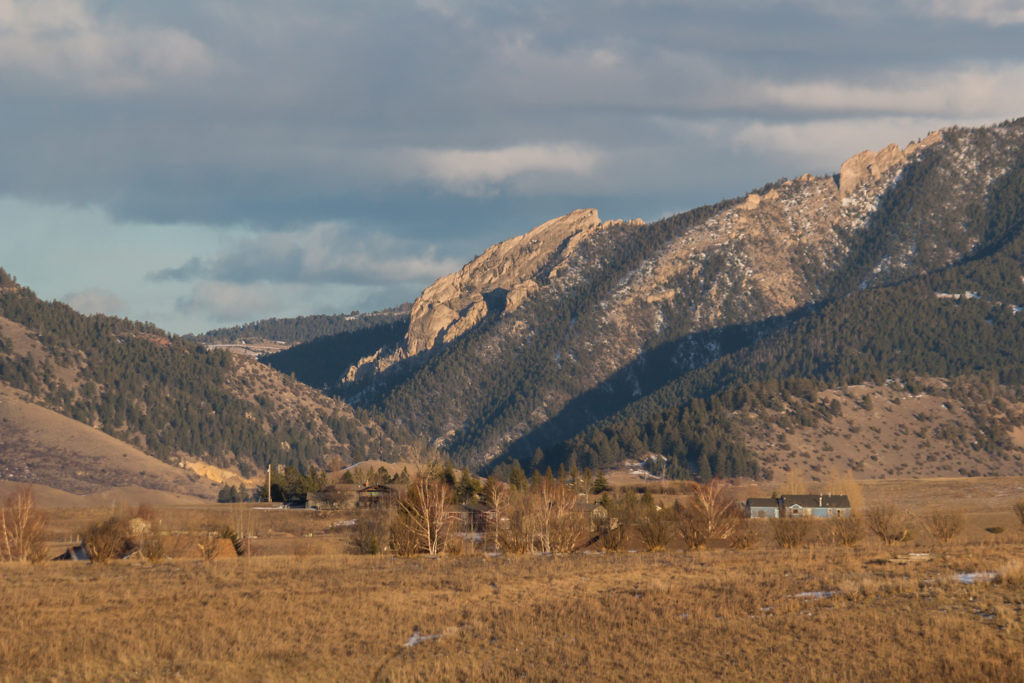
325	361
303	328
657	333
958	321
171	397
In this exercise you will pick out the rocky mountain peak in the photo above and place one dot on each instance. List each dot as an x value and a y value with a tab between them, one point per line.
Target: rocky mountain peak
868	165
499	279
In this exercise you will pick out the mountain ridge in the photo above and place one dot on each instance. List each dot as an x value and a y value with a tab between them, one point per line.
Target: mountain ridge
679	290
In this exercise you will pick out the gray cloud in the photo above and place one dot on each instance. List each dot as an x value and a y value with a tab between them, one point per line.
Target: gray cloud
320	253
91	301
253	112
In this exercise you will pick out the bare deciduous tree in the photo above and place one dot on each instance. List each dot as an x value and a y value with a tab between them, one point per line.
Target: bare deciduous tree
709	514
22	527
515	526
544	518
562	522
1018	509
496	495
422	511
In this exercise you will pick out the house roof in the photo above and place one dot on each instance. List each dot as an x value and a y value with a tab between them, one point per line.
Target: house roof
379	488
762	503
816	501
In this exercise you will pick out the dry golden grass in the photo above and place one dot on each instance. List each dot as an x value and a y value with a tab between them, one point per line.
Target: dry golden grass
667	616
302	607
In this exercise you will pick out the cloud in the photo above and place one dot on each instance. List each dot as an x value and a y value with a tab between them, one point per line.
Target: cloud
825	144
974	90
326	252
226	302
95	300
992	12
478	172
62	40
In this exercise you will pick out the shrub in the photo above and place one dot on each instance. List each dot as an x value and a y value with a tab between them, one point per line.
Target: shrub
1018	509
613	527
889	523
612	530
844	530
403	539
945	524
107	540
22	527
745	534
790	532
153	547
655	528
371	533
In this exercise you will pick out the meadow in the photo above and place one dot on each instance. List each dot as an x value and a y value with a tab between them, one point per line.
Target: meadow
302	606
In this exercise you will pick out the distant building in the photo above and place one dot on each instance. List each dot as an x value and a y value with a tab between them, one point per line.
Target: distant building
809	505
372	496
762	508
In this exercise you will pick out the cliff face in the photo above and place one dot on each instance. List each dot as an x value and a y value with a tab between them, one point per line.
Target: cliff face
497	282
558	322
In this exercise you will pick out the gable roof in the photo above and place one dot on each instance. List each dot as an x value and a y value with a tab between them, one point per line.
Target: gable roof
762	503
819	501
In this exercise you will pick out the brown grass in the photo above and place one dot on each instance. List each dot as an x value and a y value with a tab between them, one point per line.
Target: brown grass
44	447
300	605
667	616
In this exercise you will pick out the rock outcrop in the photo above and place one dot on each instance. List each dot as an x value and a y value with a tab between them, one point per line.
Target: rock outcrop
498	281
868	165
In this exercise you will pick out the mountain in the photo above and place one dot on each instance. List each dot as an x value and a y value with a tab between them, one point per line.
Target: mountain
168	397
587	341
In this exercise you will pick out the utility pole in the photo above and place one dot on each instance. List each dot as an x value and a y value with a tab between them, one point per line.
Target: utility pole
268	482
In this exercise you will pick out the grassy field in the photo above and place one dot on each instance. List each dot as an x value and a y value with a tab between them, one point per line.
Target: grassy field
302	606
667	616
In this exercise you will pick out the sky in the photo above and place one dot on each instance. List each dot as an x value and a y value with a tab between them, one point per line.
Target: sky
199	164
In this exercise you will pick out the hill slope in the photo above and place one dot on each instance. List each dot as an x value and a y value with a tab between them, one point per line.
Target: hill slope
39	446
171	398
